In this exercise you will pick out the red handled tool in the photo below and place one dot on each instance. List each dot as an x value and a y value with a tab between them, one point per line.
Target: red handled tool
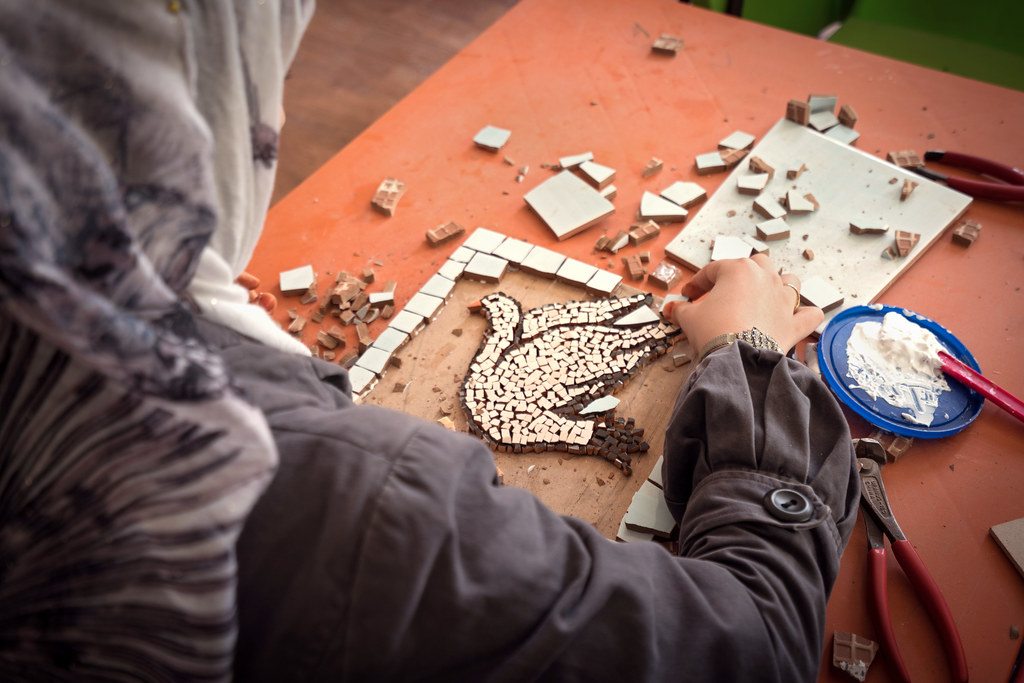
879	523
1010	190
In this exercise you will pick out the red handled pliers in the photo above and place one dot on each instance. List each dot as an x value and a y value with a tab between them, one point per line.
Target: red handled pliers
1011	190
879	522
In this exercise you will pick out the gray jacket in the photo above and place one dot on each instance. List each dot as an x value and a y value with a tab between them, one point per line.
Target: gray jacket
384	549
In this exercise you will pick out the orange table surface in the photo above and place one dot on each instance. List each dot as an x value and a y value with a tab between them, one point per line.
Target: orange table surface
568	76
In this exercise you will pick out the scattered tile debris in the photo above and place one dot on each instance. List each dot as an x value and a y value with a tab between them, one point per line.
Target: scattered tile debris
729	246
661	210
574	160
906	241
711	162
908	187
770	230
297	281
737	140
643	232
596	174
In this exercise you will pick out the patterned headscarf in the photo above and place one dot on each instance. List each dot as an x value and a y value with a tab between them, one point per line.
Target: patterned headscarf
137	140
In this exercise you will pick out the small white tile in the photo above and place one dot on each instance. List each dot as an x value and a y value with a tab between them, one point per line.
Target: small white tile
407	321
843	134
390	340
374	359
685	194
492	138
575	272
661	210
769	207
816	291
513	250
600	405
452	269
362	380
822	120
542	261
438	285
575	159
598	174
604	282
641	316
773	229
486	267
649	513
752	183
738	140
709	162
656	473
296	280
425	305
728	246
484	240
627	535
463	254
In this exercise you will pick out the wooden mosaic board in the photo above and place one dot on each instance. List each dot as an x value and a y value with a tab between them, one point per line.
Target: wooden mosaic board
850	185
435	361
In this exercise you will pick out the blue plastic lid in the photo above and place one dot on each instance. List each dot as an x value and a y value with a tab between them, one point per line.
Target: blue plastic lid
957	408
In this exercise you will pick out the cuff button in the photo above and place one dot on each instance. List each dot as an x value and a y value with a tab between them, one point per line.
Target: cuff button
788	505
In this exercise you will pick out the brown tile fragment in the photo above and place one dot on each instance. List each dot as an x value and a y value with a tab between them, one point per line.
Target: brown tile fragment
349	359
297	325
634	267
847	116
444	233
906	158
368	275
798	111
667	44
363	332
326	340
795	173
643	232
908	187
966	233
653	166
731	157
852	653
906	241
759	165
808	254
385	200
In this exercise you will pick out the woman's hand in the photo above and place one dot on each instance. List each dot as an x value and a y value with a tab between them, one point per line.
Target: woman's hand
739	294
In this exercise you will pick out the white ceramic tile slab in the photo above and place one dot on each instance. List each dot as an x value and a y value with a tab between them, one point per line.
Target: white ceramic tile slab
362	380
425	305
710	162
796	202
661	210
452	269
374	359
390	340
408	322
513	250
567	204
438	285
819	103
484	240
609	192
684	193
492	138
575	272
603	283
486	267
850	185
543	262
462	254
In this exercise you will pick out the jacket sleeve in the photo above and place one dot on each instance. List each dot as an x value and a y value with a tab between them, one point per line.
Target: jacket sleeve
406	559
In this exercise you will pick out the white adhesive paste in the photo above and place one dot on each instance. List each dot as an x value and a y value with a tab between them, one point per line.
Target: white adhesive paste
897	361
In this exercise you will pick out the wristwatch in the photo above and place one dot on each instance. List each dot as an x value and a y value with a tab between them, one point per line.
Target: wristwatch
753	336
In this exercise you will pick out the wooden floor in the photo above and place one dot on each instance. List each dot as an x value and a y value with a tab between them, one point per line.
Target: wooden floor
357	60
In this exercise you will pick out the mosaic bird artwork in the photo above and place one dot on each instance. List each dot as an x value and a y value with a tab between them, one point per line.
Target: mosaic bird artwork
543	380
